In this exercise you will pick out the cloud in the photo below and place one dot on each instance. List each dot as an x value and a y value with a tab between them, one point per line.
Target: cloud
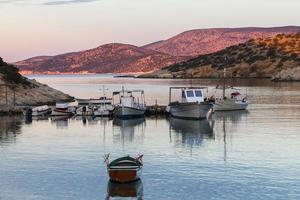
62	2
46	2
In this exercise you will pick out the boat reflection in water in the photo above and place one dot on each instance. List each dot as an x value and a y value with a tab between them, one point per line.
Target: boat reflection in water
10	127
230	116
61	122
124	130
190	132
226	124
133	190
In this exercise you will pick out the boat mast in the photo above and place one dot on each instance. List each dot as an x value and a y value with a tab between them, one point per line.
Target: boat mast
224	81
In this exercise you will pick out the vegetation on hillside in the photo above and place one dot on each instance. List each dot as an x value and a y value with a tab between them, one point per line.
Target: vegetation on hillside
255	58
11	74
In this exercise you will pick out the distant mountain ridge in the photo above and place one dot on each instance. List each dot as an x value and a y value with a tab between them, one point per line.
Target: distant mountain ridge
204	41
126	58
275	57
108	58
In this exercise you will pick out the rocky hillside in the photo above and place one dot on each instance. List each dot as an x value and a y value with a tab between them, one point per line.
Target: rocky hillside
275	57
109	58
28	92
204	41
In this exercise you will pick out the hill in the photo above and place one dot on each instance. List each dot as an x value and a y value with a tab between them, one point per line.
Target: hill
109	58
275	57
28	92
204	41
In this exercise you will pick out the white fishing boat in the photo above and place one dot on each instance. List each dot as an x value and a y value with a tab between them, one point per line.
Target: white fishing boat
41	110
95	107
101	100
235	102
130	106
103	110
64	109
193	104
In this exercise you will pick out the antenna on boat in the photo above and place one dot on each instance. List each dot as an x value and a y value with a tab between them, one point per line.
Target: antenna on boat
103	90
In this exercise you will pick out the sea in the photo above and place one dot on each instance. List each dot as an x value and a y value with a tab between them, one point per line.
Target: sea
249	155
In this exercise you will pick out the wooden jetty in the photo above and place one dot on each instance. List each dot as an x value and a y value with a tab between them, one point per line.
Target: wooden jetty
155	110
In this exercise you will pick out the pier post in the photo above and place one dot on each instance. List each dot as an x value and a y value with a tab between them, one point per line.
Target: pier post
170	95
6	101
14	100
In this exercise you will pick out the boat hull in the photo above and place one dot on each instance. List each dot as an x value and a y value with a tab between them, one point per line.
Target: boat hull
229	105
128	112
124	175
190	110
41	113
101	113
61	113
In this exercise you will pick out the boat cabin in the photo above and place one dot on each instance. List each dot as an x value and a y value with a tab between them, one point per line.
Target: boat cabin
189	94
127	98
192	95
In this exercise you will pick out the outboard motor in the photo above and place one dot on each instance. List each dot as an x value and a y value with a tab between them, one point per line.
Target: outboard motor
28	115
28	111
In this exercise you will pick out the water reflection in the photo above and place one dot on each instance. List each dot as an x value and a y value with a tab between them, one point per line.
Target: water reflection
134	189
126	130
61	122
226	124
232	116
10	127
190	132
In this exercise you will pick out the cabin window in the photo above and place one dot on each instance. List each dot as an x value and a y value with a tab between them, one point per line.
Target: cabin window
182	94
190	93
198	93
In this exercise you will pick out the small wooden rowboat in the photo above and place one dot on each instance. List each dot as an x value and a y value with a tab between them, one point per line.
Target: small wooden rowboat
125	169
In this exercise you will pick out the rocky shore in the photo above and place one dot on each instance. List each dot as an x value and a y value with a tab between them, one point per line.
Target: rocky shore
16	91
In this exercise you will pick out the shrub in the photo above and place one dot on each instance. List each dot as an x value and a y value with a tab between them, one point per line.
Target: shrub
11	73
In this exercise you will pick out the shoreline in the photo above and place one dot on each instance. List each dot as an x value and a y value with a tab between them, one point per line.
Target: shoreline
137	76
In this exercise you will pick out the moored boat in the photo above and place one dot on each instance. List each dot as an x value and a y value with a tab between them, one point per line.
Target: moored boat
85	111
103	110
235	102
193	104
41	110
129	105
64	109
125	169
101	100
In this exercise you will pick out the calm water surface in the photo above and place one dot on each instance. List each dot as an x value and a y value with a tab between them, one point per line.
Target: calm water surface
233	155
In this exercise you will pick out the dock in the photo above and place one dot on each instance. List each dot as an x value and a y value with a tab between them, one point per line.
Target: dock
10	110
155	110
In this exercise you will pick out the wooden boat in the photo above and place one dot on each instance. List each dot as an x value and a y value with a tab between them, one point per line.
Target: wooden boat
125	169
41	110
235	102
129	105
37	111
64	109
193	104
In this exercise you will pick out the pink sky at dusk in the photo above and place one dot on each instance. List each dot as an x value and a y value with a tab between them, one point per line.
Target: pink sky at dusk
48	27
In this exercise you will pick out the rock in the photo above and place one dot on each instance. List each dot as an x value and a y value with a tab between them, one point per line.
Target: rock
292	74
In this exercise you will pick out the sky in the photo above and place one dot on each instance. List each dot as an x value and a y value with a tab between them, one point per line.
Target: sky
31	28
